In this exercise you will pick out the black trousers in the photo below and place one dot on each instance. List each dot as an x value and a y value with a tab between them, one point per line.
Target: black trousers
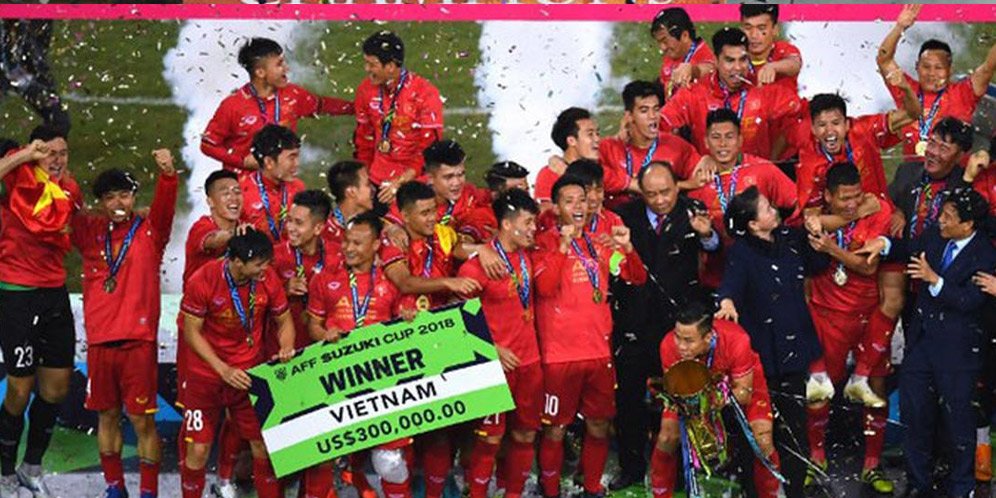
635	421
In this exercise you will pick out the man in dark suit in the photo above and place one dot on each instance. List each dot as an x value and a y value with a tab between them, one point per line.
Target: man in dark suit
668	231
944	338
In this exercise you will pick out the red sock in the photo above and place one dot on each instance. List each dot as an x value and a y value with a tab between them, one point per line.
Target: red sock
318	482
396	489
192	482
765	482
663	471
594	453
874	348
518	464
229	445
501	469
148	481
816	428
267	484
875	419
113	469
551	461
436	462
482	464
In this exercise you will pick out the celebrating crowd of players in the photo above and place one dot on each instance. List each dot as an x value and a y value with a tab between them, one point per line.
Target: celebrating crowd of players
729	221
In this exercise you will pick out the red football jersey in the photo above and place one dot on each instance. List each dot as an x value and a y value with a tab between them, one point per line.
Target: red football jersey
781	50
512	326
544	184
208	297
286	266
732	357
763	109
279	194
439	248
958	100
985	184
860	292
622	162
229	134
331	300
566	295
699	53
454	214
131	310
196	254
417	122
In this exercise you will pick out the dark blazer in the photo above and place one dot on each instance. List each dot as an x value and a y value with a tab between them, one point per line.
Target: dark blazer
642	315
766	281
944	332
906	184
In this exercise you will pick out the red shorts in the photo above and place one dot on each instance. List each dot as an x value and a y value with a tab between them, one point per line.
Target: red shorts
840	333
757	410
587	387
526	384
125	374
205	402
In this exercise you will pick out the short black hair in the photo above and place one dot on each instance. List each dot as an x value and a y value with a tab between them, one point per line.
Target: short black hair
563	182
501	171
970	204
641	89
386	47
220	174
47	132
935	44
369	219
113	180
566	125
741	211
697	312
728	36
823	102
952	129
250	245
722	115
317	202
271	140
255	50
588	171
675	20
842	174
749	10
655	164
342	175
442	152
411	192
512	202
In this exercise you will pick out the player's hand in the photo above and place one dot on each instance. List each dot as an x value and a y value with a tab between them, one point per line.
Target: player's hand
507	358
297	286
727	310
37	149
492	264
682	75
907	16
557	164
977	162
894	76
821	242
397	236
332	335
701	224
284	355
703	173
386	192
897	224
462	286
408	314
766	75
918	268
235	377
621	238
814	225
986	282
249	162
164	160
872	250
869	205
566	236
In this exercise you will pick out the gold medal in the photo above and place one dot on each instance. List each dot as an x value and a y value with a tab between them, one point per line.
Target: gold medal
384	146
249	341
596	296
527	315
840	276
110	284
921	148
422	303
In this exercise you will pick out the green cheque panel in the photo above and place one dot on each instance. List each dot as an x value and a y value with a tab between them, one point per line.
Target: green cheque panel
381	383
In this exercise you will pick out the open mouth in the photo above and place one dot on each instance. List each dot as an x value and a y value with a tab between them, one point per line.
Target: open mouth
831	142
120	213
233	209
653	127
577	217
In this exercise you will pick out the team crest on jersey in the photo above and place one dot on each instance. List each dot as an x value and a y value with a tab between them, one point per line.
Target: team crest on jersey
218	301
334	285
257	205
381	290
248	120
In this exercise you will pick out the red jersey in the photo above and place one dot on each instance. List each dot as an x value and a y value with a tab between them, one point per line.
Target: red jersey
543	192
417	122
985	184
512	326
331	299
622	162
27	258
732	357
566	295
761	109
863	146
957	99
781	50
279	195
860	292
287	266
131	310
208	297
480	224
454	214
601	223
196	254
426	258
753	171
700	52
229	134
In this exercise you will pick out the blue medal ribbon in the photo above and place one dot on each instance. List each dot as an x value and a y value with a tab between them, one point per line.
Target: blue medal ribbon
927	123
262	104
847	150
925	194
385	127
844	238
521	283
593	226
114	263
726	196
590	265
646	160
299	264
691	51
276	225
727	104
360	308
430	245
339	216
247	319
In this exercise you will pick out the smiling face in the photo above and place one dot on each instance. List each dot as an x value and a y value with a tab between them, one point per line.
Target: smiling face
57	160
249	270
302	226
284	168
521	228
572	206
118	204
378	72
359	245
933	70
830	128
586	143
724	142
767	218
940	157
844	201
420	217
225	199
672	48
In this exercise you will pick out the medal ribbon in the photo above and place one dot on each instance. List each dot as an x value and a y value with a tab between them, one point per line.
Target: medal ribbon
114	263
726	196
385	127
590	265
233	291
930	202
727	104
360	309
430	244
847	149
927	124
276	225
844	238
646	160
691	52
262	104
448	215
339	216
521	285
